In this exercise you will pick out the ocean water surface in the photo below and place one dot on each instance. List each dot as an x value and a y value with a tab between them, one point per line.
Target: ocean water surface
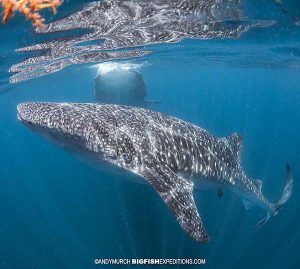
227	66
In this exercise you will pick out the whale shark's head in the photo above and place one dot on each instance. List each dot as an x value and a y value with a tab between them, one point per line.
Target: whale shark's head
49	118
38	115
69	126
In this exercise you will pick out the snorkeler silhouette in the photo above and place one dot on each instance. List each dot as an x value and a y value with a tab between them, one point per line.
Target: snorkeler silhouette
124	87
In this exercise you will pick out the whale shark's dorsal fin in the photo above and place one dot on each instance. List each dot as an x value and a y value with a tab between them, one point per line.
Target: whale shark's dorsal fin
177	193
235	142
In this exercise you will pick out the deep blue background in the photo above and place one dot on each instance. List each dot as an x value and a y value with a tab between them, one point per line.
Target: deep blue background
57	212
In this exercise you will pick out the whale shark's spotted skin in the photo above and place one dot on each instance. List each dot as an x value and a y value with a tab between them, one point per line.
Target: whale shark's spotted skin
170	154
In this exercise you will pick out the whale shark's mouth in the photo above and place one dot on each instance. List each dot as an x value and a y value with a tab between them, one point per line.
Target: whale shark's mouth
36	113
19	117
20	112
31	115
26	114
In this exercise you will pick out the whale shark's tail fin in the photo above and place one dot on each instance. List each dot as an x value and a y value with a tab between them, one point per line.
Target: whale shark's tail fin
287	191
286	194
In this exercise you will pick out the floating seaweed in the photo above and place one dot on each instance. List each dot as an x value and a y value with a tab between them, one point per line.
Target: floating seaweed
29	8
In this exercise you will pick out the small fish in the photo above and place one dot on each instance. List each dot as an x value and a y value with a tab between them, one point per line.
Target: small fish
220	193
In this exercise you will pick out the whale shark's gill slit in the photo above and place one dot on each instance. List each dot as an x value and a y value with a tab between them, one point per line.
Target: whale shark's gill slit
177	193
125	148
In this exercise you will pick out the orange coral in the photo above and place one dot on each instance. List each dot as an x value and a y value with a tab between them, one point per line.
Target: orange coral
29	8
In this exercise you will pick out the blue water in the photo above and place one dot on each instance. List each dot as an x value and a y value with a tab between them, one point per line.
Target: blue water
59	212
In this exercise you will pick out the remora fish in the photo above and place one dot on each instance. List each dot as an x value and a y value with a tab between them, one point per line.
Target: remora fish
170	154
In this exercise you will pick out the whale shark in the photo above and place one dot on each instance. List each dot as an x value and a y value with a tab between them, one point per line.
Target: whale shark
172	155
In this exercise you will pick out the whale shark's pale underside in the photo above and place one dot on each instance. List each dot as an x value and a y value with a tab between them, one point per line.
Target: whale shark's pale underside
170	154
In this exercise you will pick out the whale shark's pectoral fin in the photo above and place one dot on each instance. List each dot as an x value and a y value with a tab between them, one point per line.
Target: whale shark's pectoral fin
177	193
